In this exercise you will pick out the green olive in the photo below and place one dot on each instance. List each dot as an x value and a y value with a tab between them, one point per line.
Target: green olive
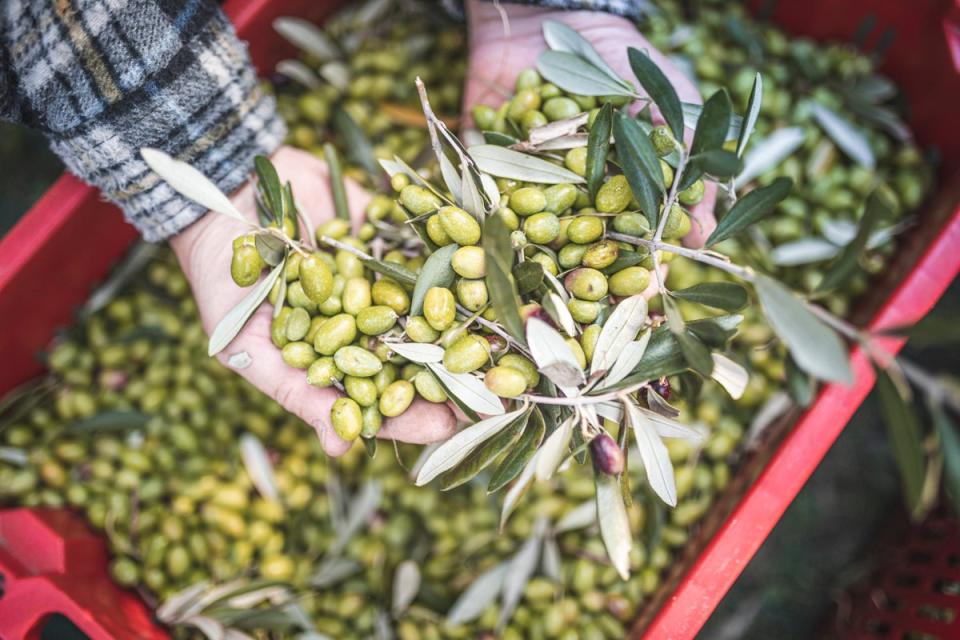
560	109
419	330
527	79
588	340
468	353
356	361
571	255
372	421
692	195
527	201
542	228
299	355
346	418
396	398
523	365
469	262
356	295
614	196
630	281
631	223
505	381
560	197
297	297
362	390
525	100
298	324
576	160
436	232
483	116
663	141
585	229
601	254
316	279
323	372
335	228
428	387
246	265
586	283
387	292
334	333
546	262
532	119
472	294
419	200
678	223
439	308
583	311
459	225
376	320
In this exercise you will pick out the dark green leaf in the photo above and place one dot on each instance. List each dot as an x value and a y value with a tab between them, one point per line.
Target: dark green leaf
269	182
711	132
753	112
529	276
358	147
800	385
112	420
695	353
728	296
436	272
625	259
598	145
486	453
878	208
715	332
719	163
517	459
271	248
500	284
659	88
392	270
370	444
640	165
749	209
950	447
499	139
903	429
850	138
337	187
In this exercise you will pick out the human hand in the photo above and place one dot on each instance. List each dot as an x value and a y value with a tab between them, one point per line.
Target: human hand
497	58
204	250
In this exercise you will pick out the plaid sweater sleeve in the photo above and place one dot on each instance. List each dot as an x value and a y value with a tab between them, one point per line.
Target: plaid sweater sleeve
103	78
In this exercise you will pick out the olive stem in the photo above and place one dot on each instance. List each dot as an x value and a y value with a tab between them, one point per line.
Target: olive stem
336	244
290	242
493	326
577	401
745	273
665	215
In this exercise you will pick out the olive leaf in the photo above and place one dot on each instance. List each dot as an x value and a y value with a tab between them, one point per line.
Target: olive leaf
577	75
903	429
750	209
691	116
498	256
803	251
876	209
560	37
598	146
768	153
436	272
422	353
950	446
363	506
640	165
710	135
190	183
614	523
337	73
481	457
406	585
14	456
628	358
453	451
519	572
625	259
728	296
110	420
298	72
619	329
848	137
559	313
653	453
257	463
481	593
550	562
659	88
800	385
730	375
521	454
468	391
358	148
529	276
580	517
753	112
668	427
499	139
695	352
305	35
272	249
554	449
553	355
815	347
518	488
231	324
472	197
390	269
507	163
557	129
451	177
337	187
334	571
719	163
269	183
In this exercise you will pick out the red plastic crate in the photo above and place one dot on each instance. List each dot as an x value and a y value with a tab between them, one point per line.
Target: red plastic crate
72	238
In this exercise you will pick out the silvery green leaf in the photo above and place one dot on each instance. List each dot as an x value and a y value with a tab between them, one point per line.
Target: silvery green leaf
554	449
753	112
371	12
656	459
298	72
550	562
576	75
170	609
258	466
848	137
453	451
190	183
356	145
468	389
305	35
730	375
333	571
659	405
815	347
563	143
519	571
580	517
281	300
619	329
560	37
614	523
517	489
768	153
421	353
14	456
803	251
382	627
842	233
552	355
559	312
557	286
436	272
472	196
507	163
406	585
666	427
481	593
691	116
231	324
451	177
490	187
362	508
609	410
557	129
208	626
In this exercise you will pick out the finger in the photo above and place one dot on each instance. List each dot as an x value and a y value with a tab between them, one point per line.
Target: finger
422	423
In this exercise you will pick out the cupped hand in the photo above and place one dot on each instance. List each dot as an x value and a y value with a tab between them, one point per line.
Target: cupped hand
204	250
496	58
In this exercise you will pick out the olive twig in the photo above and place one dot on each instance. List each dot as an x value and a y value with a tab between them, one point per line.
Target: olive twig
665	214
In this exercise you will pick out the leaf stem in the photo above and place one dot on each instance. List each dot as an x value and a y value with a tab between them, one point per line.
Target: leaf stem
745	273
577	401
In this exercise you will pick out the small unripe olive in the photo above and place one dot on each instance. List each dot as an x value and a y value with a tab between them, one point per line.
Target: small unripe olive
379	207
577	351
585	229
601	254
614	196
376	320
278	327
299	355
346	418
571	255
246	265
316	279
459	225
386	375
667	174
419	330
549	90
389	293
583	311
541	228
356	295
335	228
527	79
297	297
336	332
436	232
467	354
362	390
523	365
469	262
630	281
428	387
588	340
348	265
678	223
419	200
439	308
631	223
576	160
291	270
472	294
483	116
527	201
323	372
586	283
509	217
372	421
532	119
546	262
524	101
663	141
560	197
505	381
357	361
298	323
560	109
398	181
396	398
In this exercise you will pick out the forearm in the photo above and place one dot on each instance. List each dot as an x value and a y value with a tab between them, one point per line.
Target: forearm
103	82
